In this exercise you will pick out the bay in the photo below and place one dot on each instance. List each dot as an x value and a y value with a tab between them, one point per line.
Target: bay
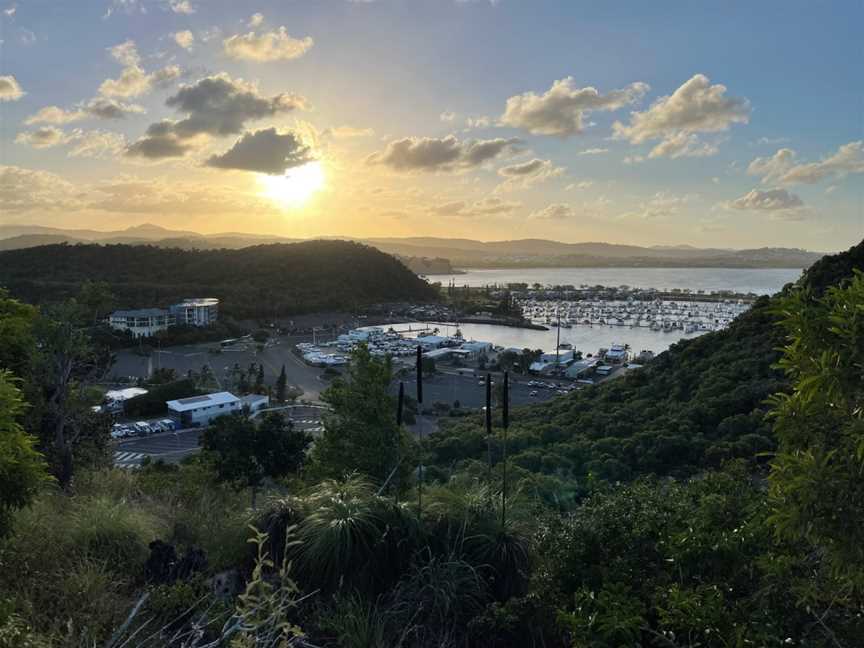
588	339
760	281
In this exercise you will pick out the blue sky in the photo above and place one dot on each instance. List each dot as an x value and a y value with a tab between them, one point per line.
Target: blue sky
731	124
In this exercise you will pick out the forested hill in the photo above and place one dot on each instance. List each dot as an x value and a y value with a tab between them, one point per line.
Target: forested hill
251	282
698	404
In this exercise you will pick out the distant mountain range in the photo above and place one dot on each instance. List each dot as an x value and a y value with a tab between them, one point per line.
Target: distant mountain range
430	255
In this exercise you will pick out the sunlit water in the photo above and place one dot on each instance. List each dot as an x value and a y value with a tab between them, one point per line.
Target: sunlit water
743	280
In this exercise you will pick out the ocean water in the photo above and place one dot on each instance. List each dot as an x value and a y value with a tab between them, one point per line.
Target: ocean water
742	280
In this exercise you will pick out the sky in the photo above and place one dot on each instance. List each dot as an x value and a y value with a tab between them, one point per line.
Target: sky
733	124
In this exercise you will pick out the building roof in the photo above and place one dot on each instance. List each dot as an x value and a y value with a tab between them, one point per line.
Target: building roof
197	402
198	301
124	394
140	312
438	353
476	345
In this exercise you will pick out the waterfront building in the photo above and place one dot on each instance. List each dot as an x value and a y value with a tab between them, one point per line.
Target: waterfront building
616	355
200	410
196	312
143	322
580	369
255	402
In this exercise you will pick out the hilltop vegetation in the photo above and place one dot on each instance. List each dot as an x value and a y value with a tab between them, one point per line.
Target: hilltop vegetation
257	281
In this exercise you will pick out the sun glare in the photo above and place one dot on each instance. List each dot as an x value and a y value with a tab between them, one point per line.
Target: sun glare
295	187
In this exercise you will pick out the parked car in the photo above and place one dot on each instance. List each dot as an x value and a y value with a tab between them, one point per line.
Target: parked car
168	425
143	427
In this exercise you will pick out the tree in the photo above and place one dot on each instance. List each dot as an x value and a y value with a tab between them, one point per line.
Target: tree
361	433
816	486
22	469
507	359
428	365
281	385
97	298
17	342
246	452
259	380
67	362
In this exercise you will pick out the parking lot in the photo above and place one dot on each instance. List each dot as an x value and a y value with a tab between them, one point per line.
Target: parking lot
173	445
470	391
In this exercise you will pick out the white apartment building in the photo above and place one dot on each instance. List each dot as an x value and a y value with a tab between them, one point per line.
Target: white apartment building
196	312
143	322
200	410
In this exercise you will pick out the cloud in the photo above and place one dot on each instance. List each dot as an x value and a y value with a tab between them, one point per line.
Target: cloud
216	105
255	20
662	204
784	168
133	80
676	120
594	151
41	138
526	174
770	200
168	197
268	46
184	39
10	90
97	144
92	144
344	132
182	7
220	105
683	145
161	141
561	109
478	122
489	206
430	154
584	184
447	116
555	211
23	190
264	151
98	107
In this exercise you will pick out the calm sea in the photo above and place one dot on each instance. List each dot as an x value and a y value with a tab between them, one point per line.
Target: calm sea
744	280
590	338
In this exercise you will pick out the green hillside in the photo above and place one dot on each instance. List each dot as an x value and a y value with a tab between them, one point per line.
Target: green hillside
251	282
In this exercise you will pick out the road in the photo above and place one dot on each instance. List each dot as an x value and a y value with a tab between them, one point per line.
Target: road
171	447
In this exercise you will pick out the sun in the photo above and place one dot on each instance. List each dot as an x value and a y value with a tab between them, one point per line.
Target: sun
295	187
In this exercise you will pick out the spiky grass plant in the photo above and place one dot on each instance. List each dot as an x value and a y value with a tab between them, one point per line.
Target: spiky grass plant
352	538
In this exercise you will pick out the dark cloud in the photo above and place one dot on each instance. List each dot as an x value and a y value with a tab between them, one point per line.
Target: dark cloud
441	154
216	105
160	142
220	105
264	151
